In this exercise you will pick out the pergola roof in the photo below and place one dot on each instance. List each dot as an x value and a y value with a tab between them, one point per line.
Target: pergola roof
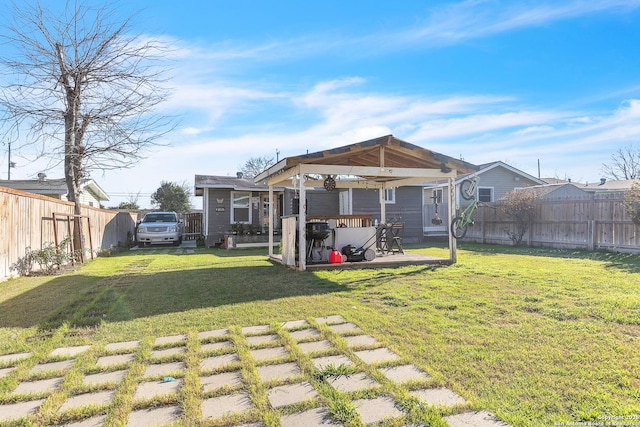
381	162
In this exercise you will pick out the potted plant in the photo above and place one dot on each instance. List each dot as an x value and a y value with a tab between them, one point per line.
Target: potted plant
237	228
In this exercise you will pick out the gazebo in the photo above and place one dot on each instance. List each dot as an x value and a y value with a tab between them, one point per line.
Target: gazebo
381	163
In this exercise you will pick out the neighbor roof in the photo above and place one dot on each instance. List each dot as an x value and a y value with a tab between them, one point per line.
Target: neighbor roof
56	186
230	182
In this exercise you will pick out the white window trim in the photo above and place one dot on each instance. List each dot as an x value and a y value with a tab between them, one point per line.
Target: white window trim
233	220
493	193
391	200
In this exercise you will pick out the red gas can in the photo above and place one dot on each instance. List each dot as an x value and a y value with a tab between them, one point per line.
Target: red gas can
335	257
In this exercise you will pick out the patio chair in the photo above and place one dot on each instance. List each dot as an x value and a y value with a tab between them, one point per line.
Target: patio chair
396	234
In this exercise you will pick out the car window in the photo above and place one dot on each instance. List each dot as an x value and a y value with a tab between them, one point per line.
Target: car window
160	218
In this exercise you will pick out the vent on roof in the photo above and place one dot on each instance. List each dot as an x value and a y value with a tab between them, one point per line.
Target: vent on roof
239	175
42	176
603	180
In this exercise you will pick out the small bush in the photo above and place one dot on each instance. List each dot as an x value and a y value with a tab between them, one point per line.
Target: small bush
49	258
520	206
632	202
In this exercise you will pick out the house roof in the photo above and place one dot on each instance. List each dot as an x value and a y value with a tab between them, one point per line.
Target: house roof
386	159
56	186
600	186
487	167
229	182
547	190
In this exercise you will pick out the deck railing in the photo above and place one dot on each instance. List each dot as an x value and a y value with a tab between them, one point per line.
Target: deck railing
344	220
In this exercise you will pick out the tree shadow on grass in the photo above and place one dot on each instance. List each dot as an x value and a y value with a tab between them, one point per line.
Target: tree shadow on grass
84	300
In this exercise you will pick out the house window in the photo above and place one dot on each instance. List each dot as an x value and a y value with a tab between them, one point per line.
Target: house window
390	195
240	207
436	196
485	194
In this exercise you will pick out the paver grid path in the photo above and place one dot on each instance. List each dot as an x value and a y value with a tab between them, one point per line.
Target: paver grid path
294	369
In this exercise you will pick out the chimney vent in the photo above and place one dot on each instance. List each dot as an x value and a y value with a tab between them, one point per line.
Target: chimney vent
603	180
42	176
239	175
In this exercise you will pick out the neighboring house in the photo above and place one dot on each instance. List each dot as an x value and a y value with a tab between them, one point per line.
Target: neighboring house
558	191
495	180
604	186
91	193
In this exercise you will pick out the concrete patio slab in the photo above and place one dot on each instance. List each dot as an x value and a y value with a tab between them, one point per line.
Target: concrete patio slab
308	347
355	382
279	371
289	394
213	333
213	346
269	353
116	360
345	328
305	334
10	358
80	400
439	397
152	389
318	417
172	339
69	351
255	329
261	339
122	346
216	362
53	366
213	382
39	386
331	319
404	373
379	355
375	410
475	419
293	324
154	416
323	362
360	341
14	411
6	371
167	352
97	421
216	407
164	369
105	377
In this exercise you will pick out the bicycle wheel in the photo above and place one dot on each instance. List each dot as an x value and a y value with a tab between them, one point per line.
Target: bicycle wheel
468	189
457	229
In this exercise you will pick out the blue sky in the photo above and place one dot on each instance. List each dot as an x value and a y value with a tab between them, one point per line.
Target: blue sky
520	81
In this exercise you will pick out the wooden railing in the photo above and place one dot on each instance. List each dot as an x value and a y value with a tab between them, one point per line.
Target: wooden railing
344	220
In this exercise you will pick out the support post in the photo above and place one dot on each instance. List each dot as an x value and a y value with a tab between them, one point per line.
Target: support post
270	220
452	209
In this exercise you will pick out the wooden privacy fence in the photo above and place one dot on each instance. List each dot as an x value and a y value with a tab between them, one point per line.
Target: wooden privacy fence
597	222
27	221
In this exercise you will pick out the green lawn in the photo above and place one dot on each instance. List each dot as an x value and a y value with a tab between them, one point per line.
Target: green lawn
535	336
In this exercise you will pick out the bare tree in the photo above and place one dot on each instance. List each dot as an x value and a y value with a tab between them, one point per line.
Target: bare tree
81	90
255	165
625	164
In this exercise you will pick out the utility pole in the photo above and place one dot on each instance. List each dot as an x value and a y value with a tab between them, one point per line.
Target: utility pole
10	163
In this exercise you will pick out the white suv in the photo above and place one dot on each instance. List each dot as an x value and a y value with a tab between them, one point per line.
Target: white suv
159	227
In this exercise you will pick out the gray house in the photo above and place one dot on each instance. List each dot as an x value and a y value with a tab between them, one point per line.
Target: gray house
91	193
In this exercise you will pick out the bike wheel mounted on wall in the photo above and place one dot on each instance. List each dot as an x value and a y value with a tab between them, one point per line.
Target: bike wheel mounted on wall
457	230
468	189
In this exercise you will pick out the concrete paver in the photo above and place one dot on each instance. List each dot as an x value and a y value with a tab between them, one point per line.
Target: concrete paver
14	411
152	389
255	329
331	319
6	371
154	416
52	366
80	400
172	339
216	362
69	351
279	371
269	353
213	333
213	346
105	377
375	410
323	362
308	347
216	407
360	341
345	328
475	419
293	324
15	357
164	369
167	352
213	382
354	382
439	396
39	386
116	360
122	346
97	421
305	334
318	417
291	393
404	373
261	339
379	355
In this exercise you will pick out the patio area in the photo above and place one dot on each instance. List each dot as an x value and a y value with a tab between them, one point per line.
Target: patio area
380	261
